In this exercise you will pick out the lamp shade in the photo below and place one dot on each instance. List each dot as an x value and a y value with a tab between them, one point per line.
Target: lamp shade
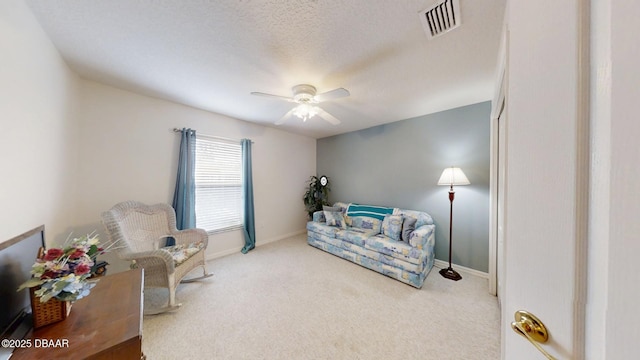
453	176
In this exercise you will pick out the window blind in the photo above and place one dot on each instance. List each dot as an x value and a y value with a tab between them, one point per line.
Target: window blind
218	178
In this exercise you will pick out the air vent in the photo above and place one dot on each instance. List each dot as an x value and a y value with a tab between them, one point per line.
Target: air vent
441	18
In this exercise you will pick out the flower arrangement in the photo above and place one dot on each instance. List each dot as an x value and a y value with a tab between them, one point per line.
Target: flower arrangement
63	273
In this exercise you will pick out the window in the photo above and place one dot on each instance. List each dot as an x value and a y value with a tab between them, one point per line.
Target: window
218	177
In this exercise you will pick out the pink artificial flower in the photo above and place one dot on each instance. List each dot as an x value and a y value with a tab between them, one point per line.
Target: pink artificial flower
82	269
77	253
49	275
53	254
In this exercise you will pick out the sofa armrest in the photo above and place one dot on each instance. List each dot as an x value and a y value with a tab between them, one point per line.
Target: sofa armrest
318	216
423	237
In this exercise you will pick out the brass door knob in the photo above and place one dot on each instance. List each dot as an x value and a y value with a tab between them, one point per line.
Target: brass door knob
532	329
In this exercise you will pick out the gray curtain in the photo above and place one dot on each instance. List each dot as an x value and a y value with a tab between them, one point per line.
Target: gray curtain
247	192
184	196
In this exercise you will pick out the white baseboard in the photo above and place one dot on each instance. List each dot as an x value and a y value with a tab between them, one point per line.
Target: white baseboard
258	244
443	265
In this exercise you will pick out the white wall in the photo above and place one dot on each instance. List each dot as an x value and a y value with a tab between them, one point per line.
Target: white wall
128	151
38	132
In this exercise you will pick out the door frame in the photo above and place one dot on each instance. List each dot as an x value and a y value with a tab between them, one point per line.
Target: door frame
498	105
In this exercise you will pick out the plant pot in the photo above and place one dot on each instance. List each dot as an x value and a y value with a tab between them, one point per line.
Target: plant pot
49	312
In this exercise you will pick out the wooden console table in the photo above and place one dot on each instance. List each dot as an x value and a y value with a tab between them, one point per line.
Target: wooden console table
107	324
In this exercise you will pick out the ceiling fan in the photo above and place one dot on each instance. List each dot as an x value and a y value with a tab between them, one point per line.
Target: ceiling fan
305	96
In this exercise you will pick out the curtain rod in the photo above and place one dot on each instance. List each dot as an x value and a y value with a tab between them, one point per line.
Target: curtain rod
176	130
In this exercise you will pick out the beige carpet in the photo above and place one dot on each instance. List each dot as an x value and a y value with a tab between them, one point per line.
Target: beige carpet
288	300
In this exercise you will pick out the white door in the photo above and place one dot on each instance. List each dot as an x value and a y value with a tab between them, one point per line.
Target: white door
545	178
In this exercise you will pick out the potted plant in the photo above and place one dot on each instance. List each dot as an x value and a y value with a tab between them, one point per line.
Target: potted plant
317	194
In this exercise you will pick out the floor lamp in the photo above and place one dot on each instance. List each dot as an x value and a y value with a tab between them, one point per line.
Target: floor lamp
452	176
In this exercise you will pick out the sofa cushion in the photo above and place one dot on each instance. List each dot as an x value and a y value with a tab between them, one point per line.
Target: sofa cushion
366	223
392	226
322	228
355	235
335	218
408	226
397	249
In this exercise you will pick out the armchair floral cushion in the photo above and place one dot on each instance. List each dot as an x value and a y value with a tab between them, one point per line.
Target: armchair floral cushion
182	253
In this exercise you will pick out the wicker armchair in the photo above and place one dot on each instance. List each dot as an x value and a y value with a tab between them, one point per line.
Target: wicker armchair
143	231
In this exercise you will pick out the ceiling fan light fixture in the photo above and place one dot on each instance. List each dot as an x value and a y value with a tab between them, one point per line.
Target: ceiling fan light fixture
304	93
305	111
305	96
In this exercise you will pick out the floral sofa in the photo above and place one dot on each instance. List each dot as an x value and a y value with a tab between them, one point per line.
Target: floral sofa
394	242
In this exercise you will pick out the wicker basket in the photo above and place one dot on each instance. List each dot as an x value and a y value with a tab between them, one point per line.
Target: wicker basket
49	312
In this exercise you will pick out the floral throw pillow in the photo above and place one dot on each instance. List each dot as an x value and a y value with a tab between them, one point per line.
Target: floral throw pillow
335	218
392	226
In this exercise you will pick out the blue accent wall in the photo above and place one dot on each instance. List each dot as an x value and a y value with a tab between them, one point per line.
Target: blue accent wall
399	165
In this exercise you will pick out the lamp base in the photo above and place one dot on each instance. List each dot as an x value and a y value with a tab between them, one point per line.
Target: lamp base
451	274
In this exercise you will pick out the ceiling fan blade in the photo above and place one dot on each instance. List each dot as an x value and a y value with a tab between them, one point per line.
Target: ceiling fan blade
327	117
272	96
333	94
285	117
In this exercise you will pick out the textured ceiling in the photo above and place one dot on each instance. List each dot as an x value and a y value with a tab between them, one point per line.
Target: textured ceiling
211	54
